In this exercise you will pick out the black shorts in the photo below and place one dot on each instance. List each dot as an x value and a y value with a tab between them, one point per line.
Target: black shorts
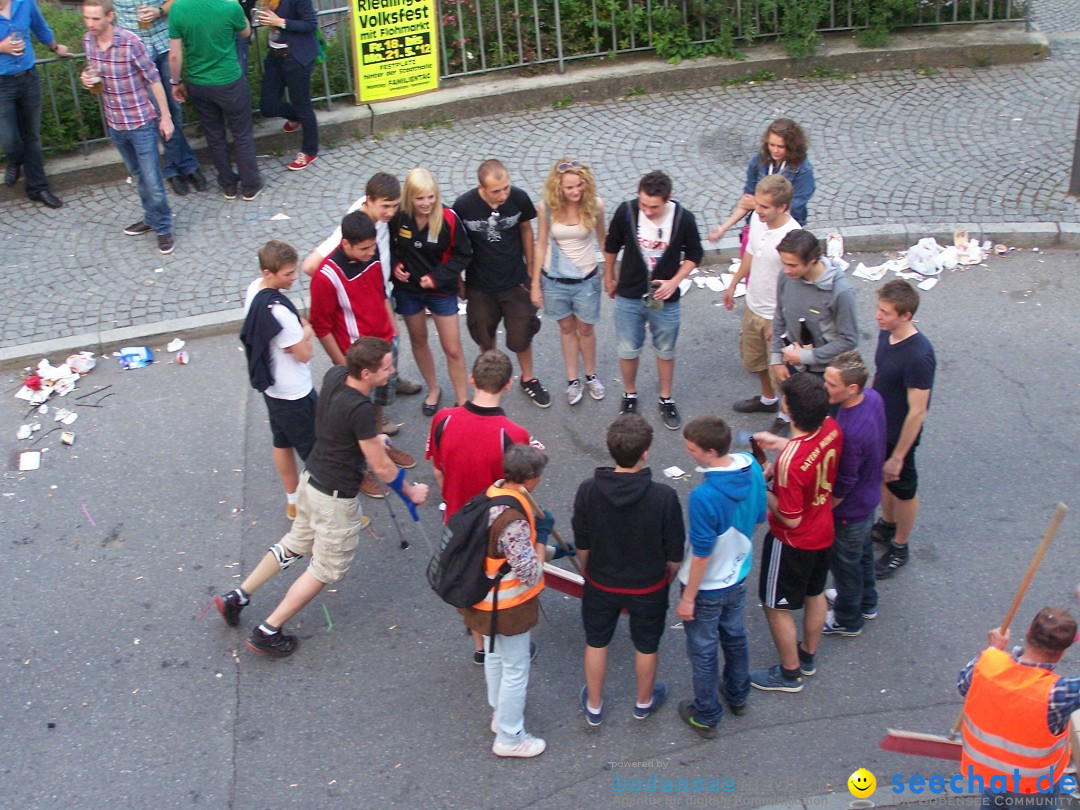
790	574
292	422
907	485
513	307
648	612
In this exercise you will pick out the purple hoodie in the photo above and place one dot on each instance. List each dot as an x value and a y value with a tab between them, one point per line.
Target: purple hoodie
858	478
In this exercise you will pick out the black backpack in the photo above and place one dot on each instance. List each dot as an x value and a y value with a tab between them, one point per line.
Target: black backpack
456	571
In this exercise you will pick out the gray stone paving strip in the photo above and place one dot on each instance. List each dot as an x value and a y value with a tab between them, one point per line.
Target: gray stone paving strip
950	145
999	44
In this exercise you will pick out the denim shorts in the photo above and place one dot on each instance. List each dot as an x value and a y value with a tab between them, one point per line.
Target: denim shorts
563	300
410	302
631	315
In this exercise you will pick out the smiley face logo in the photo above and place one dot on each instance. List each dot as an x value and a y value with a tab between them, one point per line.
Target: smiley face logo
862	783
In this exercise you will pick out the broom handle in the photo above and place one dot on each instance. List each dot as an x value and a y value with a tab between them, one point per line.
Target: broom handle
1040	552
554	532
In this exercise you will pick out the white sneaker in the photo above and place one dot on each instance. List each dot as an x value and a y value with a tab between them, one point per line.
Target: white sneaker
574	392
596	388
526	746
830	599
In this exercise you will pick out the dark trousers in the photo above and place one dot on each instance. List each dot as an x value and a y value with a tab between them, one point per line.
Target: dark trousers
279	73
20	127
218	106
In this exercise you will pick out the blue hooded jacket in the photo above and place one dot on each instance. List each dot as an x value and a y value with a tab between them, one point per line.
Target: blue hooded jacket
724	511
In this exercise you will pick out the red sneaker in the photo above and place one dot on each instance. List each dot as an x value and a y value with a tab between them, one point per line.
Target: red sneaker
302	162
290	126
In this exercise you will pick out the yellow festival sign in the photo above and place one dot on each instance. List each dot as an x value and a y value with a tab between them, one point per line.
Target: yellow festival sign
395	50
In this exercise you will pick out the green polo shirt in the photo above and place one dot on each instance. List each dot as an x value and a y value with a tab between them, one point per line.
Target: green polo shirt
208	29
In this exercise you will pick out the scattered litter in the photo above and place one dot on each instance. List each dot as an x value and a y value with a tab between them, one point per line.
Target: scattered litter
834	246
34	428
674	472
684	286
1034	250
279	217
86	512
1000	250
923	257
23	432
135	357
29	460
183	358
175	345
928	284
65	416
329	624
875	273
67	437
81	363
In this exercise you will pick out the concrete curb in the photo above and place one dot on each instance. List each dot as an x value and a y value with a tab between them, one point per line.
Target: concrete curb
603	79
857	239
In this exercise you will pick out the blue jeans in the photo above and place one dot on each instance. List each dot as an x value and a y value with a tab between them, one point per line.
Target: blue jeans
718	621
631	316
216	106
138	148
507	673
243	48
179	156
20	127
279	73
852	566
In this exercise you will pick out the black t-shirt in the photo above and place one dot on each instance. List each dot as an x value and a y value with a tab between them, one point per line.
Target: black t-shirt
498	261
343	418
898	367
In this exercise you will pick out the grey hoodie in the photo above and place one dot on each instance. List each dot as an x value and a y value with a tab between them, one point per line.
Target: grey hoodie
827	304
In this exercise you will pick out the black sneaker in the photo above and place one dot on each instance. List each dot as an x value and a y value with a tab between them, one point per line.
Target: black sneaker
478	657
229	192
686	712
894	558
736	709
229	607
755	405
137	229
781	427
536	392
277	645
629	404
670	414
179	184
882	533
806	662
197	181
165	243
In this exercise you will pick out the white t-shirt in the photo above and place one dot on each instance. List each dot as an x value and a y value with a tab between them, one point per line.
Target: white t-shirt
382	240
653	238
292	379
765	265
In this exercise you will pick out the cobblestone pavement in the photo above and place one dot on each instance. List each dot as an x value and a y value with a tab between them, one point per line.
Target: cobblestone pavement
958	145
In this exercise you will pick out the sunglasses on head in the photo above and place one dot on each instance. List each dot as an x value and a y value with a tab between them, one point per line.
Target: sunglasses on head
562	168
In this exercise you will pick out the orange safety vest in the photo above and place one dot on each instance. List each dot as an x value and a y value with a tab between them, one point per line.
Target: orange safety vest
512	591
1005	725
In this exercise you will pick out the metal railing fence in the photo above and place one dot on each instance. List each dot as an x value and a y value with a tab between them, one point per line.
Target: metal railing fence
484	36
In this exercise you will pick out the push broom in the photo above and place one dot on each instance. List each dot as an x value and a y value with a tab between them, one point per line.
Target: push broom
933	745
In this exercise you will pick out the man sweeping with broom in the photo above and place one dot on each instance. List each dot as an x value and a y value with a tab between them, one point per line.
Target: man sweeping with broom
1016	716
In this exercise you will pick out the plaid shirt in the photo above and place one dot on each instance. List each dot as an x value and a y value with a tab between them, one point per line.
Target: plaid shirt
127	73
1064	695
156	37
